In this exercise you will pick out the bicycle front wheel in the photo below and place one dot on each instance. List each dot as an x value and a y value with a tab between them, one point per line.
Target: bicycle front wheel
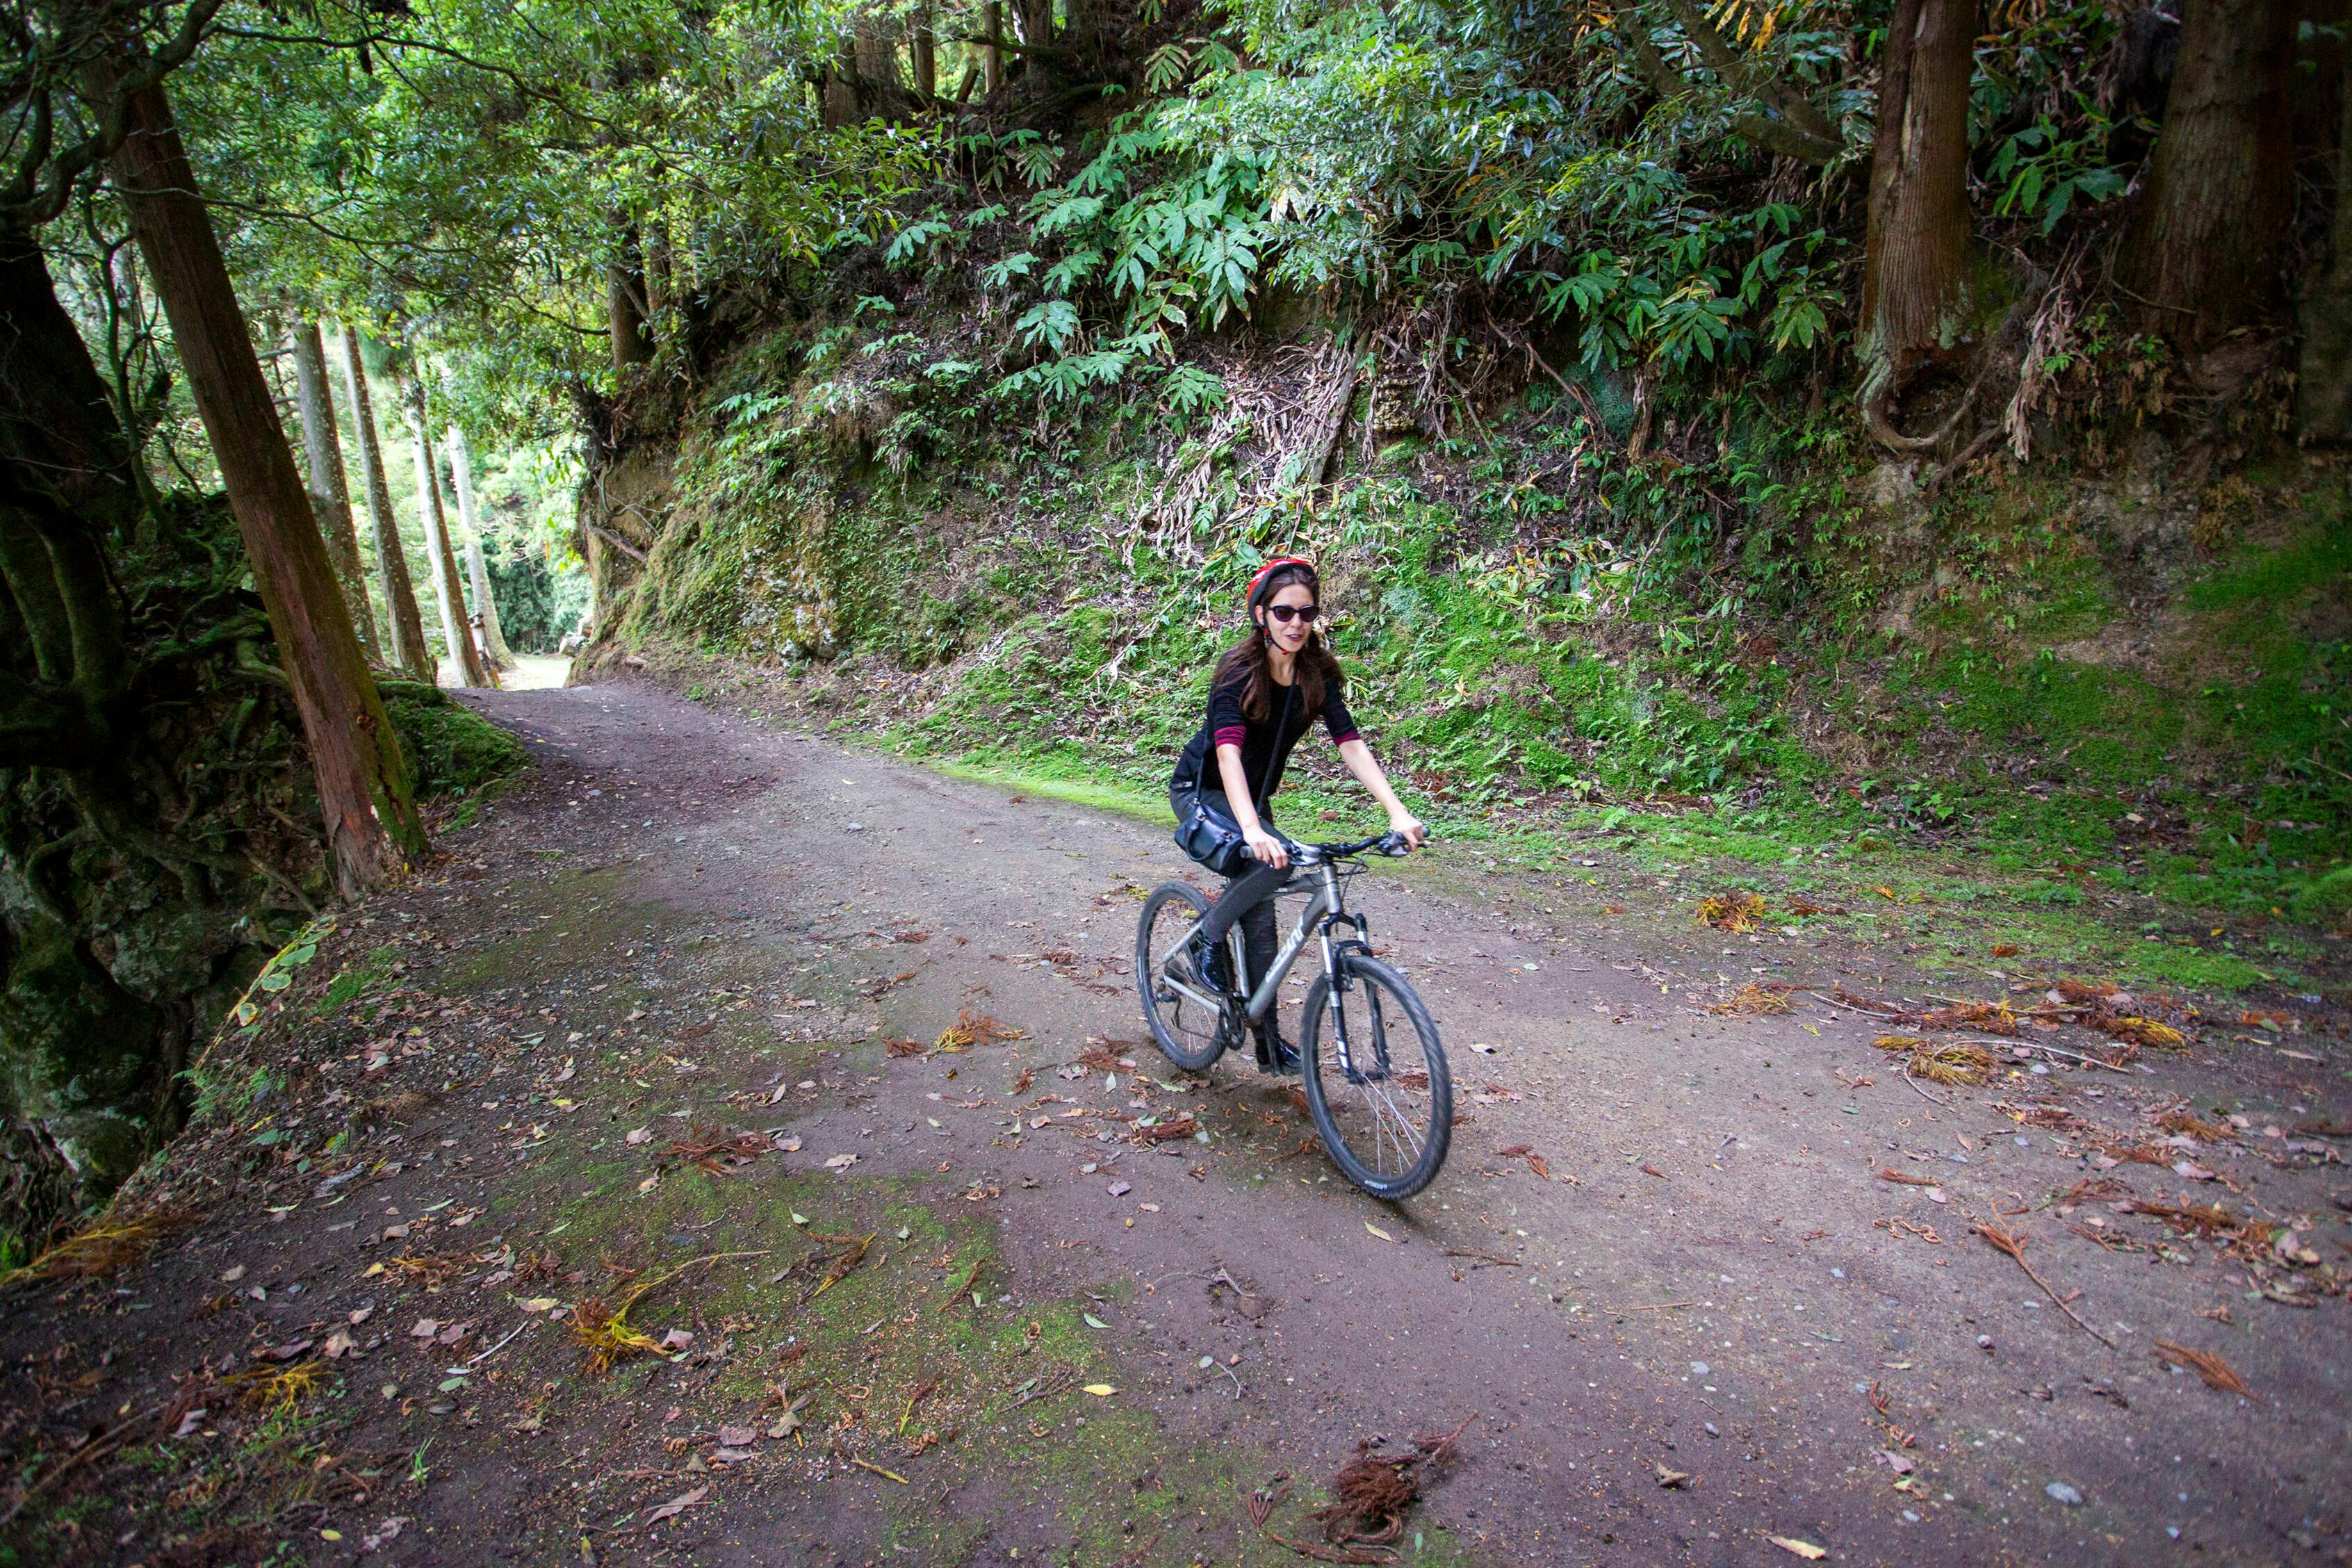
1176	1002
1376	1079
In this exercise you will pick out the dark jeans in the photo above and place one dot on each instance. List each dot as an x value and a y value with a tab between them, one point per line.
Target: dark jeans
1248	898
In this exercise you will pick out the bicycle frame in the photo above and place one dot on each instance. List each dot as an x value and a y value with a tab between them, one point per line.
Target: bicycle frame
1326	907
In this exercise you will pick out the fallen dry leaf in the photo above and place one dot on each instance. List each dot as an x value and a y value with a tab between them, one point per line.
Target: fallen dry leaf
677	1505
1672	1478
1804	1549
1101	1390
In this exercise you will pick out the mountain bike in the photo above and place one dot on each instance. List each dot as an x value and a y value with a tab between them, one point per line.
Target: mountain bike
1374	1071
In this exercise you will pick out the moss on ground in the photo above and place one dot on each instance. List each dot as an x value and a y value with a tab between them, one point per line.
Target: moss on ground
451	749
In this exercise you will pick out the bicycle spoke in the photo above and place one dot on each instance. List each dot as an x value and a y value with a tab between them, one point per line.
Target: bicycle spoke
1382	1107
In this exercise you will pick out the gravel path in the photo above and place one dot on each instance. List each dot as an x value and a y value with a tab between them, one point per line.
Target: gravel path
1714	1281
1727	1305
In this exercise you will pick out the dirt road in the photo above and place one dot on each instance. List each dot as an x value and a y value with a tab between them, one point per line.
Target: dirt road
1710	1322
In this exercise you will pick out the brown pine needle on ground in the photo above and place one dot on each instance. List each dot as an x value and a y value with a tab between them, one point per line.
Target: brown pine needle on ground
972	1029
102	1249
606	1331
278	1388
2013	1244
1736	910
1957	1065
2217	1372
1756	998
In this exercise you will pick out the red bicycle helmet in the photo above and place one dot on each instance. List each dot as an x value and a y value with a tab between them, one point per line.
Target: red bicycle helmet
1257	582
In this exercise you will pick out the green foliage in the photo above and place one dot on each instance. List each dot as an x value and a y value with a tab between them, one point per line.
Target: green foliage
537	606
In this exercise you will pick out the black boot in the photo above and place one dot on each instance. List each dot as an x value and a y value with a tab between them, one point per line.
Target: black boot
1208	963
1275	1054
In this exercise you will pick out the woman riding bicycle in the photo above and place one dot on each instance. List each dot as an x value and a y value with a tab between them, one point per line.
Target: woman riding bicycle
1266	693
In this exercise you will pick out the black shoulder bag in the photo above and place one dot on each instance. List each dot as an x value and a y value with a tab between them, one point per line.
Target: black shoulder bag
1211	838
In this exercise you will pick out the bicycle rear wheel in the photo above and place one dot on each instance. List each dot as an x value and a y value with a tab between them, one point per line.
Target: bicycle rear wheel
1384	1107
1193	1034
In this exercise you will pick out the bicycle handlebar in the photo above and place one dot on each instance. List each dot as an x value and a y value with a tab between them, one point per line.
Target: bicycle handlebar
1390	843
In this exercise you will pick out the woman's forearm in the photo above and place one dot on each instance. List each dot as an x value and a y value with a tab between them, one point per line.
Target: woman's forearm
1237	795
1369	772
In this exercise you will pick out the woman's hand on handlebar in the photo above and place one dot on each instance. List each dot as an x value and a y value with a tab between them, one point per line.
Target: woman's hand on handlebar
1408	826
1266	849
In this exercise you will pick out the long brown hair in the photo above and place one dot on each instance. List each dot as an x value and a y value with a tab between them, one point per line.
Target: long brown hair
1313	672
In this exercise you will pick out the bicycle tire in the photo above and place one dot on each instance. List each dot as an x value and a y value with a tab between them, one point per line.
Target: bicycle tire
1181	1041
1370	978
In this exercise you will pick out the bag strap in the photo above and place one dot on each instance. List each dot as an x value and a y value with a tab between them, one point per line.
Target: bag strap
1266	779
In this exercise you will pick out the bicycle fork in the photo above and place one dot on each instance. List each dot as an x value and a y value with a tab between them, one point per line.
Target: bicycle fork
1337	984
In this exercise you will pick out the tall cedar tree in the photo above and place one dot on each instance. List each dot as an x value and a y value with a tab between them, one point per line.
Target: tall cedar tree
331	495
404	623
478	567
463	657
1915	267
2205	247
365	792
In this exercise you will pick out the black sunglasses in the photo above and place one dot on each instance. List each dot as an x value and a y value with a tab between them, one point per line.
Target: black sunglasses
1287	612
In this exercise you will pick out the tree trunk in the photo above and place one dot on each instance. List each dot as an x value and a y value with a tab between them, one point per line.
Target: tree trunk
876	56
661	287
330	494
2204	250
364	785
1038	32
923	50
2324	387
625	300
463	657
404	625
839	102
992	58
461	479
1915	268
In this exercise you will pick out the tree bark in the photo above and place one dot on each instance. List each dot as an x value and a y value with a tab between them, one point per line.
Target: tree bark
992	58
2205	247
404	623
461	479
838	96
923	50
2324	386
625	300
365	793
1037	34
661	286
329	494
1914	267
453	630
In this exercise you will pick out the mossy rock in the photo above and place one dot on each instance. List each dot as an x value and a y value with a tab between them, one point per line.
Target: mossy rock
451	749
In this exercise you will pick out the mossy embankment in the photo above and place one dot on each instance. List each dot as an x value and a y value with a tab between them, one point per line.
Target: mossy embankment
2099	711
119	960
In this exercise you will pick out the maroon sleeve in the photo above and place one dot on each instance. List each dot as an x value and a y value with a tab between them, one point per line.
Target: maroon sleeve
1227	726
